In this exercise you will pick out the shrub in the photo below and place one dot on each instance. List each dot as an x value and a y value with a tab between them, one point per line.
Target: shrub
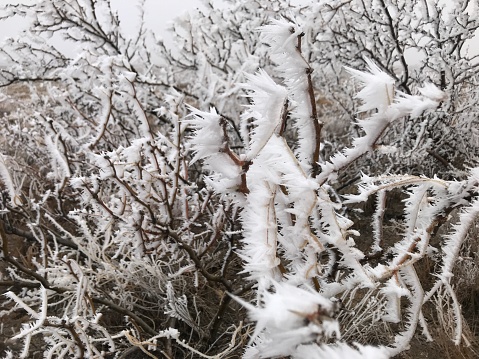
155	196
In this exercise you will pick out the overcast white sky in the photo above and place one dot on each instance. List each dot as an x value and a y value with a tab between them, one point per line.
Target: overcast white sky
159	15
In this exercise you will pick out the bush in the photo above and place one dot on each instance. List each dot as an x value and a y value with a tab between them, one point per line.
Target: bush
150	193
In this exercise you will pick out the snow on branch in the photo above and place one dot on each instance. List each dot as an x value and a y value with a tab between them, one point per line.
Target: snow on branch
8	182
127	202
377	94
340	351
288	317
268	102
210	143
378	87
285	39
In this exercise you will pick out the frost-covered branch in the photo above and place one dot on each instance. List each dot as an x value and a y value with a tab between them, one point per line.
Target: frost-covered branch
314	165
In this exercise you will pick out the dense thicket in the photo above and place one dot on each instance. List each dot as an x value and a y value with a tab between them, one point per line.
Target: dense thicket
313	164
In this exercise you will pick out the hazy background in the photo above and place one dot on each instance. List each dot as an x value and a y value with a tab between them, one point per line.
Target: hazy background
159	15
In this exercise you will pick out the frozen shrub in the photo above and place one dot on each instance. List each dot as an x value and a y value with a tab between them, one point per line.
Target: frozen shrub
153	188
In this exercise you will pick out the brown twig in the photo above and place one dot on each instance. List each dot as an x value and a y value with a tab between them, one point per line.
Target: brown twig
30	237
194	257
224	303
3	237
243	187
284	117
104	125
318	125
438	157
